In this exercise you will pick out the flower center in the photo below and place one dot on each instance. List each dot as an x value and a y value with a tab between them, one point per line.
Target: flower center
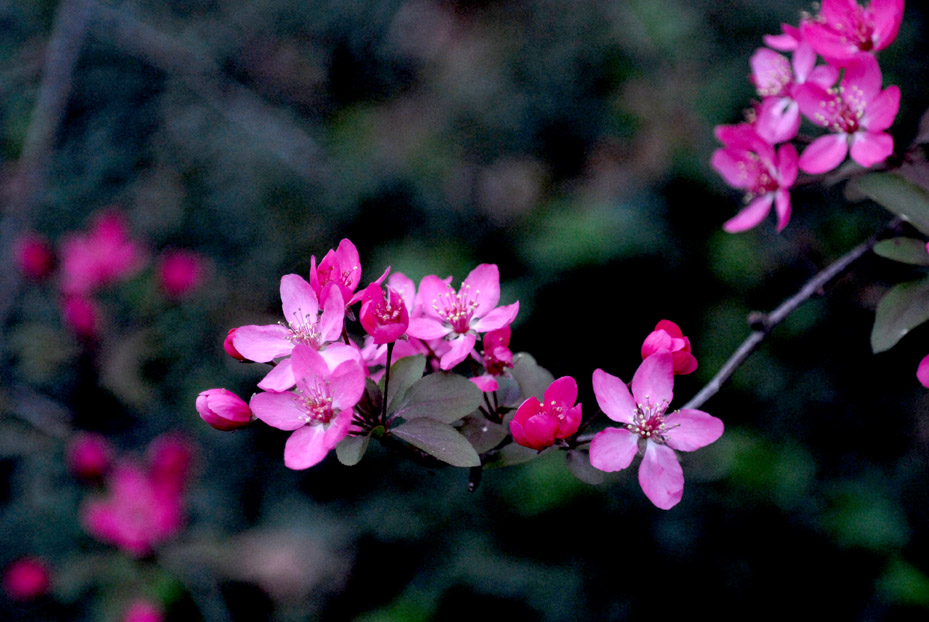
457	309
844	112
648	421
304	329
316	404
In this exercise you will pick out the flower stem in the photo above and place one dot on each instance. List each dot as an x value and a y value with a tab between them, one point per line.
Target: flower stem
390	352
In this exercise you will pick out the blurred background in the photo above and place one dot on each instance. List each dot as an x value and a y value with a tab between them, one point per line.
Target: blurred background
567	142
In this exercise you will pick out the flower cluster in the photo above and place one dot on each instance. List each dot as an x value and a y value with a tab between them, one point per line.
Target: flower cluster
854	110
318	374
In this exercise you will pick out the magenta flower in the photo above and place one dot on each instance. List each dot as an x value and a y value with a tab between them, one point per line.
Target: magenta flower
342	267
667	337
922	372
857	113
181	272
143	610
320	411
497	359
82	315
89	456
385	319
750	163
460	316
34	257
223	410
102	256
844	28
27	579
648	425
538	426
229	346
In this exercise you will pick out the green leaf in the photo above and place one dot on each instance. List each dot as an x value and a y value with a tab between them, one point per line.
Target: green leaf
512	454
532	379
483	435
902	309
899	196
440	396
904	250
403	374
578	463
438	439
351	449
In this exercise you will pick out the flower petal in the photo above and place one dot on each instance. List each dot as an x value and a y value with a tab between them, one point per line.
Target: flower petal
496	319
462	346
653	382
306	447
262	343
750	216
824	154
882	110
691	429
869	148
299	301
280	378
483	286
278	410
613	397
922	372
613	449
660	476
782	207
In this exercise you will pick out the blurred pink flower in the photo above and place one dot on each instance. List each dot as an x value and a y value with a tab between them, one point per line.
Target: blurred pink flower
857	113
539	425
667	337
34	256
143	610
101	256
922	372
27	579
180	272
646	422
89	455
82	315
223	409
844	28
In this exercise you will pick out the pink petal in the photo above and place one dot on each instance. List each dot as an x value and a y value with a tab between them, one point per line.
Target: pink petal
337	353
670	327
882	110
684	362
869	148
263	343
824	75
782	207
827	42
486	383
299	301
346	385
308	366
496	319
691	429
771	72
427	328
278	410
306	447
922	372
750	216
405	287
660	476
731	165
330	324
540	430
562	391
887	15
572	421
613	397
483	286
824	154
431	290
280	378
804	60
778	119
657	341
787	164
817	104
462	346
863	73
613	449
653	382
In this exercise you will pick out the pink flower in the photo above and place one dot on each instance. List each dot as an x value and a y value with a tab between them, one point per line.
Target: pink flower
844	28
342	267
750	163
497	358
460	316
34	256
857	113
27	579
180	272
319	413
922	372
223	410
82	315
143	610
385	319
538	426
667	337
102	256
89	456
646	422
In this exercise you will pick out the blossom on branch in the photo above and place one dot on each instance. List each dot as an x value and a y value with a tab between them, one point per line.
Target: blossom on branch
667	337
844	28
539	425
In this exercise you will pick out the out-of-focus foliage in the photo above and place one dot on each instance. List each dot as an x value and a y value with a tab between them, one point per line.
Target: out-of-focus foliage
566	142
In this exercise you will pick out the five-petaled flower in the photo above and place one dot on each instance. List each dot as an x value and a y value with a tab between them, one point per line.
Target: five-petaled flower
845	28
647	424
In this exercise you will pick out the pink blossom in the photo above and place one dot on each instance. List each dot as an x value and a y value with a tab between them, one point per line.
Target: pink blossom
82	315
460	316
34	256
89	456
27	579
844	28
223	410
748	162
385	319
342	267
497	359
181	272
667	337
170	457
538	425
102	256
647	424
319	413
143	610
922	372
857	113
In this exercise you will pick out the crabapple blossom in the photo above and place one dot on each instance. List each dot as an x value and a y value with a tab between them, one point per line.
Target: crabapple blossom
180	272
750	163
319	412
82	315
844	28
497	358
460	316
102	256
856	113
538	425
667	337
341	267
647	424
385	319
223	410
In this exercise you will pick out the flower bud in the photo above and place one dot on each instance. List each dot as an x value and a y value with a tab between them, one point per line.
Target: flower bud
26	579
223	409
229	347
89	456
34	257
667	337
